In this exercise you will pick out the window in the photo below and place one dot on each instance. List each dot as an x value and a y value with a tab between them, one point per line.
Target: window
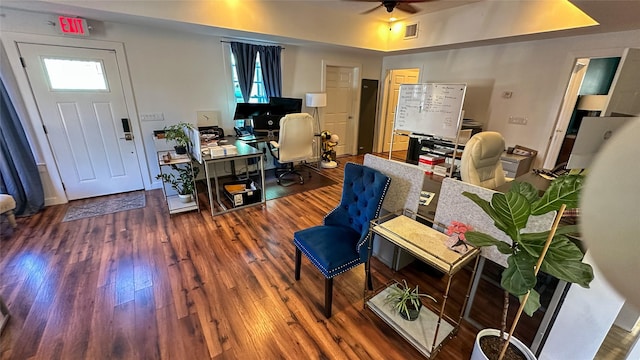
67	74
258	93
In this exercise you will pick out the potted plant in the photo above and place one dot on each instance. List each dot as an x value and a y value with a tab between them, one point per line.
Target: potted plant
550	251
177	134
183	183
405	300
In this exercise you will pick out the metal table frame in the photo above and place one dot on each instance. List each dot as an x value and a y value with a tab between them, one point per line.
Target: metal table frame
244	152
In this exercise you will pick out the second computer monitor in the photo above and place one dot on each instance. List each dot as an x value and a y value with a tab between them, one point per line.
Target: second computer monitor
284	106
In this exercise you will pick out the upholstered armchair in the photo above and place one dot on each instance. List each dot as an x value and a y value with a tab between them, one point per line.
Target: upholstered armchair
480	164
341	242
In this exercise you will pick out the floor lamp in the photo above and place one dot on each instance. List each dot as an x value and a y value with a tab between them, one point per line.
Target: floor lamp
315	101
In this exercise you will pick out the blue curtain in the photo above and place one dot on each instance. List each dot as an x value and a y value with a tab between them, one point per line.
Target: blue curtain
270	60
245	55
19	175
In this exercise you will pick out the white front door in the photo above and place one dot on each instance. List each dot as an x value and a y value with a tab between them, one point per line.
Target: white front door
338	114
81	101
395	79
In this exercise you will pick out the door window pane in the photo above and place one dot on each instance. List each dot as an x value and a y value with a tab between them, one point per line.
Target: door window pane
66	74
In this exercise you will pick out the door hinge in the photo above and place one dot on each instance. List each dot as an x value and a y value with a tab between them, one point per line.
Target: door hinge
45	129
24	65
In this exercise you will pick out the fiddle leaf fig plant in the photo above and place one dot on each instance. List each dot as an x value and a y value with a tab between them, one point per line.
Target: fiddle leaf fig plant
511	212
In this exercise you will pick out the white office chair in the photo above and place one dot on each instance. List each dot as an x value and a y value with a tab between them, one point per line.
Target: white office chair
295	144
480	164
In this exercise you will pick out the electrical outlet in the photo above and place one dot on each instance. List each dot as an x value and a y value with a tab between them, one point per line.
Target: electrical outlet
517	120
152	117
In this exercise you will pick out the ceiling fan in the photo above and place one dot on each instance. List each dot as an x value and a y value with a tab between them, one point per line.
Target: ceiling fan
403	5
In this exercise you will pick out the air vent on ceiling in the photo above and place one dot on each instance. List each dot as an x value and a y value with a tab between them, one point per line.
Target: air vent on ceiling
411	31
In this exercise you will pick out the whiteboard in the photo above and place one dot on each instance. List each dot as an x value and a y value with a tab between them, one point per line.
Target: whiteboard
430	109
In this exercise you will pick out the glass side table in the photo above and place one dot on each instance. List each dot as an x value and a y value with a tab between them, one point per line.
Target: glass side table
429	332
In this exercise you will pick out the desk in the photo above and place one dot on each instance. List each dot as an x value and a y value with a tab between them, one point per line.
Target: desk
244	152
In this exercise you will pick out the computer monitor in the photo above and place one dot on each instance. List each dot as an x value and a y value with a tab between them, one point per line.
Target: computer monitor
266	123
593	133
284	106
249	110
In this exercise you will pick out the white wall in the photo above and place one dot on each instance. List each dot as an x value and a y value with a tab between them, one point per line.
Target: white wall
537	72
178	73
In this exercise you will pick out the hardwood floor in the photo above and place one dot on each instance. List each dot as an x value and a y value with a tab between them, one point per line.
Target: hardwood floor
142	284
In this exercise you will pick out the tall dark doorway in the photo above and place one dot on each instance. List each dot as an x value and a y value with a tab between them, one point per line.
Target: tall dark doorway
368	103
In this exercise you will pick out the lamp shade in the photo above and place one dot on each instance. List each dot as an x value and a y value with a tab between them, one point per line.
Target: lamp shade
316	100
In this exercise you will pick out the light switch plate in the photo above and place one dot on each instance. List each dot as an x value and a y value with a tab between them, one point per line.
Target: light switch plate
518	120
152	117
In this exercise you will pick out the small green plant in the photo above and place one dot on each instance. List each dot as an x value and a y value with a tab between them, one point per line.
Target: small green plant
403	298
177	134
184	182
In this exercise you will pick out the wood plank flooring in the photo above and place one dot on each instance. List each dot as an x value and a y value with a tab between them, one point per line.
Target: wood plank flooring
142	284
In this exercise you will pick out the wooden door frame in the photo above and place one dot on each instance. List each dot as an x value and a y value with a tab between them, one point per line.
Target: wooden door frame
378	136
571	60
356	70
34	128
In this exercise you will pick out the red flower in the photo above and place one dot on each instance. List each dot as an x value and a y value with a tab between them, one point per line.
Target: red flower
459	228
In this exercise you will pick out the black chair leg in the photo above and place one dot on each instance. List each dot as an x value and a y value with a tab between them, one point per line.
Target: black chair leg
298	262
328	295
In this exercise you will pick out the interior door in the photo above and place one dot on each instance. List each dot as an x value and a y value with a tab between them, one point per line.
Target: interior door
395	79
624	96
81	101
338	114
367	123
568	105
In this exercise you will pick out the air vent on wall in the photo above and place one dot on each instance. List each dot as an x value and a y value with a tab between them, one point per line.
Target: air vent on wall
411	31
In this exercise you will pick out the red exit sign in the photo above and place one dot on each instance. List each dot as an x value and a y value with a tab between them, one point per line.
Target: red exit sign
73	26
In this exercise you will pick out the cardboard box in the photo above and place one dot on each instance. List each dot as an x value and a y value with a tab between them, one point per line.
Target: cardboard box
242	192
223	150
428	162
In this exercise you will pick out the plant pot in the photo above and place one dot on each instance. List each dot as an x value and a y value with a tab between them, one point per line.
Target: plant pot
180	150
413	312
185	198
478	354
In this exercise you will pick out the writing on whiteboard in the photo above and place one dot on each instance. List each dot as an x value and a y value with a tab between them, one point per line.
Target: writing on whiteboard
430	109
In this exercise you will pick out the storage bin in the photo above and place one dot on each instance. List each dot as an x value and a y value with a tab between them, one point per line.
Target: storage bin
242	192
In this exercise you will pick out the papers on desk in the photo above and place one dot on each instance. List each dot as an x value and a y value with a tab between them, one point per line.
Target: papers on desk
223	150
426	197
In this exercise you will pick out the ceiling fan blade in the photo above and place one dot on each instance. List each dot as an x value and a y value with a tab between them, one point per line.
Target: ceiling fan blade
406	7
371	10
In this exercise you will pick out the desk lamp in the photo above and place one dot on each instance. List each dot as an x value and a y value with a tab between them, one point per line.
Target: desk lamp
315	101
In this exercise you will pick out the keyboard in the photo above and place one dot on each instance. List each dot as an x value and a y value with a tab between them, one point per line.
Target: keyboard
247	138
547	174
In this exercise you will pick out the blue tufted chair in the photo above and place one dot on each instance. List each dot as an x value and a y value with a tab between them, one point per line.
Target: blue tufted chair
341	242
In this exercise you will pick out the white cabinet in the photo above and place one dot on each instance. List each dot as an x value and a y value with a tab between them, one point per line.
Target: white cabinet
515	165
